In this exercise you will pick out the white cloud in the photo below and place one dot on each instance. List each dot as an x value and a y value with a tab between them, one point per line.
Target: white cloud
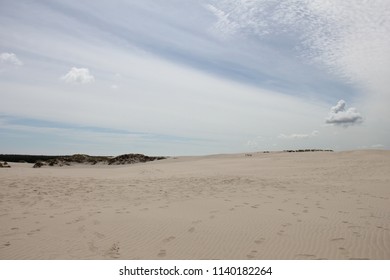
10	58
378	146
338	115
78	76
340	107
299	136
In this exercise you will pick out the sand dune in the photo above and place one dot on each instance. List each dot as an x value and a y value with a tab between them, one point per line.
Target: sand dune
266	206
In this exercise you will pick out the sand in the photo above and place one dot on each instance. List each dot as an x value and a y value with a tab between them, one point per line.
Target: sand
317	205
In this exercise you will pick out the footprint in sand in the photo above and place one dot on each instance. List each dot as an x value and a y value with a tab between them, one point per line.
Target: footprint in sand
191	229
162	254
306	256
337	239
113	252
99	235
196	222
34	231
92	247
353	226
169	239
79	219
6	244
252	254
380	227
357	234
259	241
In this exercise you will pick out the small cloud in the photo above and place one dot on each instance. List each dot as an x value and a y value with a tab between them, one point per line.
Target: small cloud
338	115
114	87
299	136
252	143
10	58
78	76
378	146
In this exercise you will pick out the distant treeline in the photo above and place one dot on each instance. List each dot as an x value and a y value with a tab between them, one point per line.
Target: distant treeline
306	150
26	158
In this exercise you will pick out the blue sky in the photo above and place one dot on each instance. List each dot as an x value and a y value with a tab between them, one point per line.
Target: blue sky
193	77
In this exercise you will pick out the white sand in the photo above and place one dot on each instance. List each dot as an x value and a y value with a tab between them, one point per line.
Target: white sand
269	206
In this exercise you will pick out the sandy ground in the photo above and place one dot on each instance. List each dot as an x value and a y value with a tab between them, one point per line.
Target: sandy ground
317	205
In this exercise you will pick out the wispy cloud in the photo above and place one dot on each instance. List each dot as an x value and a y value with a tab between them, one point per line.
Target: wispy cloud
79	139
339	115
10	58
247	17
224	25
299	136
350	37
78	76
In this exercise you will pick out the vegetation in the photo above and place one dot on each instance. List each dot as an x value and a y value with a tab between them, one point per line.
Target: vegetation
25	158
307	150
42	160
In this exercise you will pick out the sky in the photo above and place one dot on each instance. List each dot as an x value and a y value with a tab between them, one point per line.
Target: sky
193	77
